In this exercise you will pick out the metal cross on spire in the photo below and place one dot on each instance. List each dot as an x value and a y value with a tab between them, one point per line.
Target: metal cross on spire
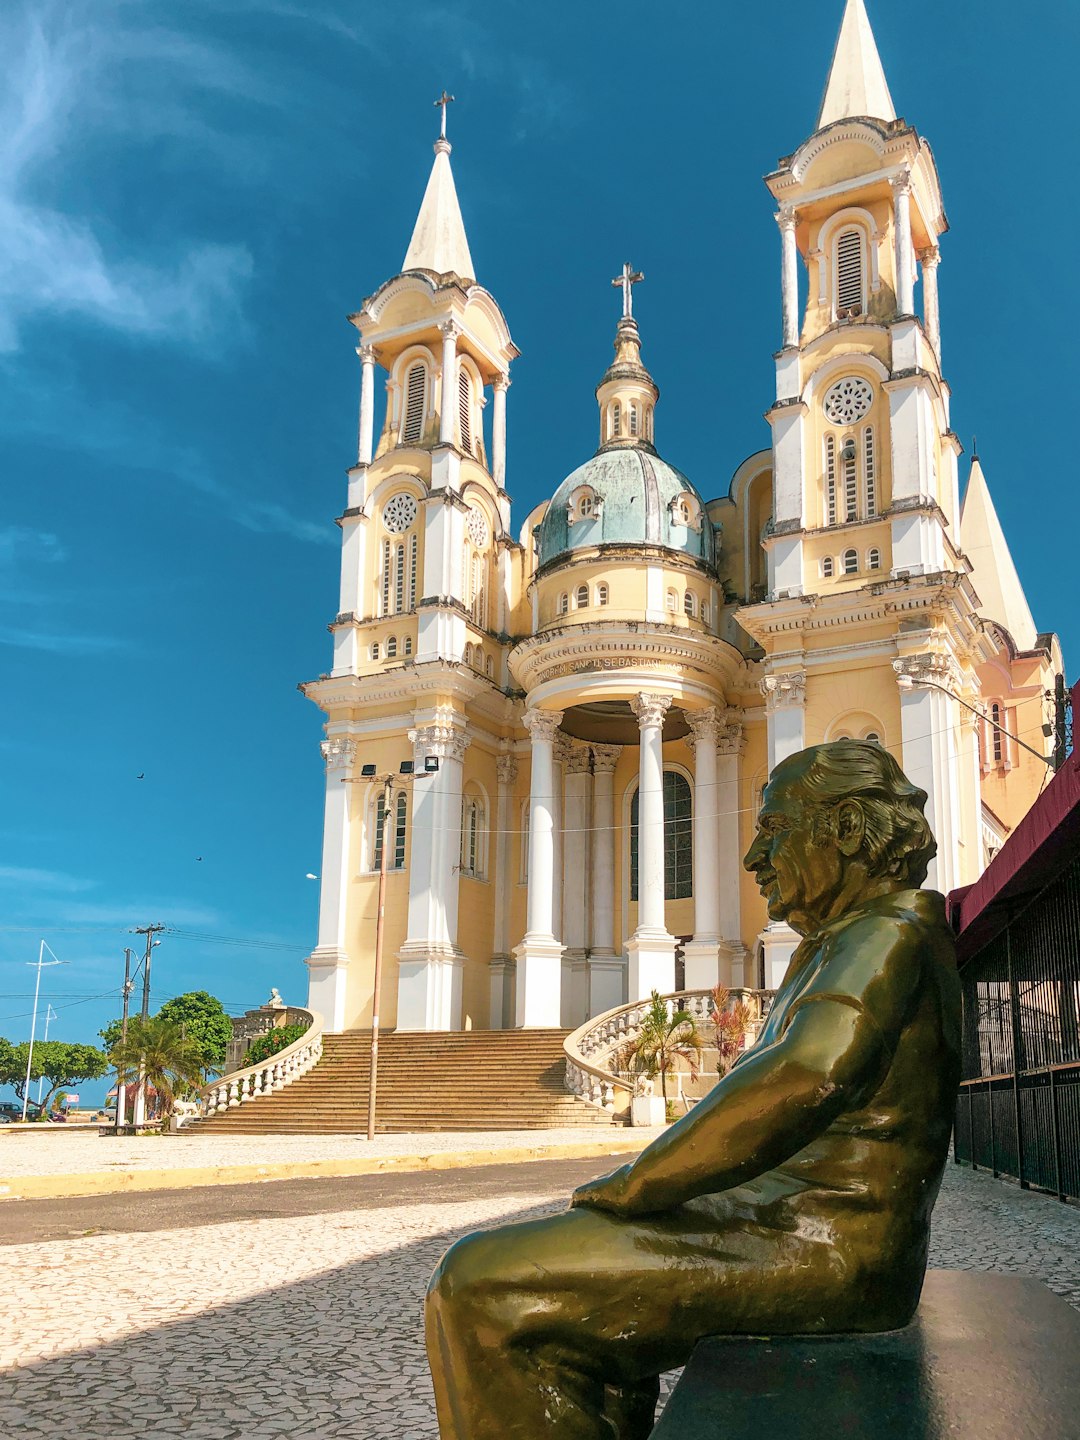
444	100
628	278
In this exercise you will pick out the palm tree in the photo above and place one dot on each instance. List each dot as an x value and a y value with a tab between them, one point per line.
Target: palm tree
172	1061
663	1038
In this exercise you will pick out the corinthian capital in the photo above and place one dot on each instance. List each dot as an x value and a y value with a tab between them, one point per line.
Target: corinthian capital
901	182
450	330
650	709
732	735
542	725
605	758
339	752
784	691
786	217
367	354
704	727
443	739
506	769
927	669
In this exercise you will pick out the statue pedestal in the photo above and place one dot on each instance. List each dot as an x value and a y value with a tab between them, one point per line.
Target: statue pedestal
987	1357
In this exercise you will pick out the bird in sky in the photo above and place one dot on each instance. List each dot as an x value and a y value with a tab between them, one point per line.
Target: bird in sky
310	876
141	777
198	857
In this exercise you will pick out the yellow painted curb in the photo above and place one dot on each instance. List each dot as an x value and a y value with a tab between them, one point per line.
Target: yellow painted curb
111	1182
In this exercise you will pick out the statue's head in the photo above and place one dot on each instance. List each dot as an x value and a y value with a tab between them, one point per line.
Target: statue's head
838	823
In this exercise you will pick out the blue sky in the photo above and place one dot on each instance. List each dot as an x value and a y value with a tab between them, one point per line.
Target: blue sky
192	198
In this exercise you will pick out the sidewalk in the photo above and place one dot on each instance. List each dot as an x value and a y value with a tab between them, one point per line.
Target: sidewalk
52	1164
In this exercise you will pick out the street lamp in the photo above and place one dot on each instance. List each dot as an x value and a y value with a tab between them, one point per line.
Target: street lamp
41	963
908	682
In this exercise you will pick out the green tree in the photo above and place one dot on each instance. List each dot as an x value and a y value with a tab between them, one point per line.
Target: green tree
173	1060
200	1015
663	1038
272	1043
60	1063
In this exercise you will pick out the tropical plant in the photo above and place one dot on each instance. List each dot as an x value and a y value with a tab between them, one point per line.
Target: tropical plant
58	1062
172	1059
664	1037
203	1018
272	1043
730	1024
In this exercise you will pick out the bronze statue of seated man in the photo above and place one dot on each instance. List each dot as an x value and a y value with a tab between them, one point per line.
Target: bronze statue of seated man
794	1199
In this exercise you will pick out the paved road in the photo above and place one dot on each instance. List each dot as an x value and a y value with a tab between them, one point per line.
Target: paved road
293	1308
28	1221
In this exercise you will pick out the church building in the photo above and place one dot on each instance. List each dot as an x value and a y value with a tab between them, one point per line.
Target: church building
580	714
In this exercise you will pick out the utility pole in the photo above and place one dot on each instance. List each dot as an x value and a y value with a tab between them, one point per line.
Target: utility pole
41	963
388	806
50	1014
121	1075
140	1094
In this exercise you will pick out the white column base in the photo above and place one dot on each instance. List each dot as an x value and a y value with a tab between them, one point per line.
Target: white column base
607	982
327	967
779	942
650	964
502	970
539	983
429	988
575	989
734	958
701	959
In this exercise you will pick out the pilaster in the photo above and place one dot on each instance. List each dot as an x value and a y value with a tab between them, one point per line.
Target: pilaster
328	962
785	703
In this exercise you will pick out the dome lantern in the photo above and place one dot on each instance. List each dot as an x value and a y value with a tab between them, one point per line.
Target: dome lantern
627	393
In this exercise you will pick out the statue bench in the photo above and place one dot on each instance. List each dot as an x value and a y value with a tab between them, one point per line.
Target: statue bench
995	1357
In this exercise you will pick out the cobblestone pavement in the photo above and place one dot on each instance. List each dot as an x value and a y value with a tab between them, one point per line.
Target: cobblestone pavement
309	1325
80	1152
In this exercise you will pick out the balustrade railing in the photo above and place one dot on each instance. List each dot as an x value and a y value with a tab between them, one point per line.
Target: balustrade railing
269	1075
593	1046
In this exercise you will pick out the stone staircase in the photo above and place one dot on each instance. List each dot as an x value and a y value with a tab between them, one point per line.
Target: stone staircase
451	1080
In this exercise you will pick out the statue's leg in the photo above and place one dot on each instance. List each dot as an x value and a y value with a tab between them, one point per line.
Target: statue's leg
527	1325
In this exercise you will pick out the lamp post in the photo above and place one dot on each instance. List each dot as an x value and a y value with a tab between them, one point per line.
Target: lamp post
908	682
41	963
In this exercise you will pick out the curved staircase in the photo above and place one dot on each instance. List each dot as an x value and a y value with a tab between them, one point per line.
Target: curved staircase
450	1080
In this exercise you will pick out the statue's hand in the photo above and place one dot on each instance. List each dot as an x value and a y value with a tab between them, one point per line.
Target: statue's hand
608	1192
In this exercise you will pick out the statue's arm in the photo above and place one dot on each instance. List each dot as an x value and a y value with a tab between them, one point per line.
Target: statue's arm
831	1057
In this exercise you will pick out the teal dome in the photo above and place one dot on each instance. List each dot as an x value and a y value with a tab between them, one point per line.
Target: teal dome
626	495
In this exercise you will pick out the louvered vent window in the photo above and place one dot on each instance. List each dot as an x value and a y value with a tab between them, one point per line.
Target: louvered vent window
464	400
412	572
413	430
386	577
849	274
997	739
870	471
830	480
633	419
399	579
851	490
616	419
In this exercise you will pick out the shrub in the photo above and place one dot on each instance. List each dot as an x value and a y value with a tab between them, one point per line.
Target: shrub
272	1043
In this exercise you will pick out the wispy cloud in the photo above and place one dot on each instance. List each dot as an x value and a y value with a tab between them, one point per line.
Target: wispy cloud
122	914
27	878
56	263
20	542
61	643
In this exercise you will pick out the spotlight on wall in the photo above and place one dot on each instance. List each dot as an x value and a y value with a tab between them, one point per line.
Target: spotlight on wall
367	772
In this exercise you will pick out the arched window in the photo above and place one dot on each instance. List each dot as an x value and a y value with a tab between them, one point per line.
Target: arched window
564	603
849	461
412	429
851	562
678	839
465	409
489	668
406	649
395	860
399	577
616	420
850	273
633	418
581	598
391	647
997	736
472	837
586	505
704	613
413	546
601	595
873	737
830	479
689	604
384	596
870	471
375	651
672	602
828	568
873	559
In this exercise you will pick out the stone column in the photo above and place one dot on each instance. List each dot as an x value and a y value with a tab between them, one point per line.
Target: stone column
651	949
429	962
539	956
703	952
448	387
500	385
367	404
733	953
930	259
328	962
501	1015
930	740
789	274
607	971
575	890
904	251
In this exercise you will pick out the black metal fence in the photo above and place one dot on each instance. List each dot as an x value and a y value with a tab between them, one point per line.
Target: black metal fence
1019	1107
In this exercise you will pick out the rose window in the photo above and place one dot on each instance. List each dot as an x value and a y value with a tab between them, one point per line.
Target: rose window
399	513
848	401
478	530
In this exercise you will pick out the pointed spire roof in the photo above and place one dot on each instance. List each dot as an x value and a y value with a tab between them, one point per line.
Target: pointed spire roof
856	84
438	240
982	540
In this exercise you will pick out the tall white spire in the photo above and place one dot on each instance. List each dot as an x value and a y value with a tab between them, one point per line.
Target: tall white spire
856	84
438	240
983	541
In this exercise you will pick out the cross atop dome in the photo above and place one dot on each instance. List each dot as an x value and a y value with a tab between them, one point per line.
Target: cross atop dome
625	282
444	100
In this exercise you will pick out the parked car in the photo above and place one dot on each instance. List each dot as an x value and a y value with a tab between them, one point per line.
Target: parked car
9	1111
